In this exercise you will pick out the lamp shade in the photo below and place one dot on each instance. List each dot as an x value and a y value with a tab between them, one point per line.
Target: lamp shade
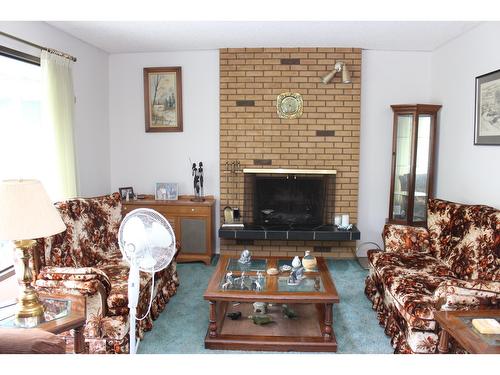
328	77
26	211
346	75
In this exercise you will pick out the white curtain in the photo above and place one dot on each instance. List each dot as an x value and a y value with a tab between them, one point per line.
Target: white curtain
57	109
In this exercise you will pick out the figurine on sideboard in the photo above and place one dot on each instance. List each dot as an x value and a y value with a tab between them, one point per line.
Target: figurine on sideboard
245	257
197	173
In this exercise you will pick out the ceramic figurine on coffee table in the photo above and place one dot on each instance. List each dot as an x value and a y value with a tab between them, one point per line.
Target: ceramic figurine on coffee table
309	262
245	257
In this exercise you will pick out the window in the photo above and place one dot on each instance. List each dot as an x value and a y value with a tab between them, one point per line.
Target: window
26	144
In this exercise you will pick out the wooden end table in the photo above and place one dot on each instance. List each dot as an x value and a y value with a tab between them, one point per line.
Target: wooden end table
62	313
458	324
312	300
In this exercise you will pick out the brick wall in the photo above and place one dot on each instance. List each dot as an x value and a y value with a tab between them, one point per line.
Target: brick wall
252	133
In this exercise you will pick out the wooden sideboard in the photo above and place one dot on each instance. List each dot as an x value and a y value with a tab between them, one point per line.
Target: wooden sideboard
193	224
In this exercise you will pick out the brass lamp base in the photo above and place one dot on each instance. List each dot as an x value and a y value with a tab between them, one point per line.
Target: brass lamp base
29	309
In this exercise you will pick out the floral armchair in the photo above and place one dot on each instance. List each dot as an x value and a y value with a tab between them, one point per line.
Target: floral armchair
86	260
454	264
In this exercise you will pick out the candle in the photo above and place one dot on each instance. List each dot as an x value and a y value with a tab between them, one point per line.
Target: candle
337	220
345	220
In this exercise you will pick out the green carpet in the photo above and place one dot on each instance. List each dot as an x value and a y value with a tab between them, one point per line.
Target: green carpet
182	326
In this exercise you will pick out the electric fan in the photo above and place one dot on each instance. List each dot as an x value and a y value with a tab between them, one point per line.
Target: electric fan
147	243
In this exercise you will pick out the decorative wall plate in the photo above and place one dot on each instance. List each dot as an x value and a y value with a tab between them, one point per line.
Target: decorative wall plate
289	105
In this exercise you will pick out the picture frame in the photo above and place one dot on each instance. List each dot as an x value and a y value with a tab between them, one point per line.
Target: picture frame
123	192
163	99
166	191
487	109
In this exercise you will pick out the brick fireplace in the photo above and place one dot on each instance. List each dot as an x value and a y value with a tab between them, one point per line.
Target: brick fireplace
325	137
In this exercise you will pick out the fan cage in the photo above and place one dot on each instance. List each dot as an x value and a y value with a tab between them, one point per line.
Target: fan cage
162	256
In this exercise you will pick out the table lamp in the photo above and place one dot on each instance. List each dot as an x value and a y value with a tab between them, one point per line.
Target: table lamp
26	213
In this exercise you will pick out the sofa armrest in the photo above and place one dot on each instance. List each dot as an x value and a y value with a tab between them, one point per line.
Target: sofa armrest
81	276
454	294
405	239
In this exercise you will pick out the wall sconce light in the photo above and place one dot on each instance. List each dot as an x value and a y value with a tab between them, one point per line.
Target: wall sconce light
338	67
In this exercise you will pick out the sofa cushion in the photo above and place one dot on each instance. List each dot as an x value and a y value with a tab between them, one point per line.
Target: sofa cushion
395	263
91	233
466	238
117	272
405	239
413	296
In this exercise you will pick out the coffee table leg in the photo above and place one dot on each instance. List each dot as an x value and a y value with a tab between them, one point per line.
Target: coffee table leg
327	330
212	320
79	341
443	342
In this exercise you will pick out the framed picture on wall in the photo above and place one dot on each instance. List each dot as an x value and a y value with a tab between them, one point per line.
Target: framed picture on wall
163	99
487	115
166	191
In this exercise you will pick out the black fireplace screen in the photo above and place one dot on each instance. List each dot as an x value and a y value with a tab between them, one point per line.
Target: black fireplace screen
289	200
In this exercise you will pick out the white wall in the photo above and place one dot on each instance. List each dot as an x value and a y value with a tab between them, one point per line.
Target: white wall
90	74
388	77
466	173
141	159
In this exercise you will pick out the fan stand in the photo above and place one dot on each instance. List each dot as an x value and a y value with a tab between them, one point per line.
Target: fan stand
133	299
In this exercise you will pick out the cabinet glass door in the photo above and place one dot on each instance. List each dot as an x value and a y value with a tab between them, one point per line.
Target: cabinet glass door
402	166
422	168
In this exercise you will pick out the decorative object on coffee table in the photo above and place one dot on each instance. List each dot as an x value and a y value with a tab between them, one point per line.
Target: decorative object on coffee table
296	262
234	315
261	319
163	99
309	262
260	307
272	271
245	257
288	312
312	301
487	114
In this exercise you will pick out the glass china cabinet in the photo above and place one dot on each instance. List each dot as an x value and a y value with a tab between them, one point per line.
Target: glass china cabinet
412	162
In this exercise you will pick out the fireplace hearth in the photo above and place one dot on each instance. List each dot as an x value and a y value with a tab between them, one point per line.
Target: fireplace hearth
289	205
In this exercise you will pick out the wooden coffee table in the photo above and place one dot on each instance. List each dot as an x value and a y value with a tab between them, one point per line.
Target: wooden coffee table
312	300
457	324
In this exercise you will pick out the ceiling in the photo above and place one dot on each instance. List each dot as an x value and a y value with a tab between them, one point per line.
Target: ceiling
155	36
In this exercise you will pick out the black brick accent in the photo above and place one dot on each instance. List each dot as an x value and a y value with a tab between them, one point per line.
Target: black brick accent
290	61
245	103
262	162
325	133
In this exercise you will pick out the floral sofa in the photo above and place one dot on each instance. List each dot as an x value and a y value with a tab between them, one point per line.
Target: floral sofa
86	260
452	264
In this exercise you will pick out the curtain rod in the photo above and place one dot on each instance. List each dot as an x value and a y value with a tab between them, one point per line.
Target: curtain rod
54	51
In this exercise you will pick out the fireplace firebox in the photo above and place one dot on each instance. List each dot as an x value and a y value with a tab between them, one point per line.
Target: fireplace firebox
289	200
